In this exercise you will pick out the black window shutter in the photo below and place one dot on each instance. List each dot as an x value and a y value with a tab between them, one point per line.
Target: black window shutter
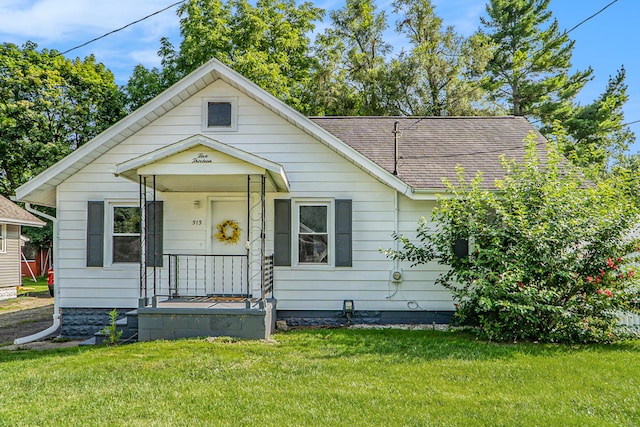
461	248
343	234
95	234
282	232
154	246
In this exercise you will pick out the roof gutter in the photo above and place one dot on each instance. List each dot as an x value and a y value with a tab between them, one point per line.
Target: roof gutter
56	289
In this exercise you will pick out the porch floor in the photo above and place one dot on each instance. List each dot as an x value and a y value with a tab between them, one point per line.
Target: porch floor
211	302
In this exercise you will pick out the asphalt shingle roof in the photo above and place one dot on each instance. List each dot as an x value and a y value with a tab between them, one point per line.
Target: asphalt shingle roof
10	213
429	148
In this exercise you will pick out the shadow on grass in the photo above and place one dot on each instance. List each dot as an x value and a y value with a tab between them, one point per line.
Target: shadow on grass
419	345
433	345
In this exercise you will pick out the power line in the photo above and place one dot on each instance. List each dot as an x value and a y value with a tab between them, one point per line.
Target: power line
566	32
122	28
592	16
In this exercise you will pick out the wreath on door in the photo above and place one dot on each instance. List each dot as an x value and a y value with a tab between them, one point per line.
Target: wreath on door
228	231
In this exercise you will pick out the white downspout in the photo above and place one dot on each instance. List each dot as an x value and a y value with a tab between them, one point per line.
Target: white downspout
56	289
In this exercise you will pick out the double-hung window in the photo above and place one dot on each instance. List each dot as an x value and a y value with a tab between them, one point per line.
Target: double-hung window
126	234
313	233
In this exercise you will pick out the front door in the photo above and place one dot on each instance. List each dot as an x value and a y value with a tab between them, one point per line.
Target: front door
227	263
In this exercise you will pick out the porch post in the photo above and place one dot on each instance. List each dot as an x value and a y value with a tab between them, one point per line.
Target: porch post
262	236
155	261
256	235
143	232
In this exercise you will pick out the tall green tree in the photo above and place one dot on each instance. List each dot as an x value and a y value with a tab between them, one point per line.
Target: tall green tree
436	76
49	106
351	74
597	136
268	43
528	73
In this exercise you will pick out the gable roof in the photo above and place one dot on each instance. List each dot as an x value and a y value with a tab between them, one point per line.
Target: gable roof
429	148
41	189
10	213
273	171
363	141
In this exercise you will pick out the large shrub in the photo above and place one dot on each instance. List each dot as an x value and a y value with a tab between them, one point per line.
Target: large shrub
551	255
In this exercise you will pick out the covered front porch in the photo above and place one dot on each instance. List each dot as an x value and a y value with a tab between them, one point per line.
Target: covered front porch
204	268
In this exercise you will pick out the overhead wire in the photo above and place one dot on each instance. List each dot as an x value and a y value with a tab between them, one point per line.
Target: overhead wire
409	128
122	28
585	20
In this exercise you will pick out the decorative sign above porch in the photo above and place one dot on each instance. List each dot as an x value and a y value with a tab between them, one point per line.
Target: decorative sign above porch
201	158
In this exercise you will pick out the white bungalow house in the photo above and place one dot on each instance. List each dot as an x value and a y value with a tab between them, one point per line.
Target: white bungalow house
217	192
12	218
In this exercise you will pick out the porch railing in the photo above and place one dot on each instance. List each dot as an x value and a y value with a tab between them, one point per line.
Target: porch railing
189	275
206	275
267	277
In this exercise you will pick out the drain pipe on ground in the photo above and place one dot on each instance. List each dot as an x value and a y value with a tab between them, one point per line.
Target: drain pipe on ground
56	289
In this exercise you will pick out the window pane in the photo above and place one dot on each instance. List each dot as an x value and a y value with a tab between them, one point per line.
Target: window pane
126	220
313	219
29	251
312	248
219	114
126	248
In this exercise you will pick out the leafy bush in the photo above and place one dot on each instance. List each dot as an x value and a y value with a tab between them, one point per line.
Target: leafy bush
551	255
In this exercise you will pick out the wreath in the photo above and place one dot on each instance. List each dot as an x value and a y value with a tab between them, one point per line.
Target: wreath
228	231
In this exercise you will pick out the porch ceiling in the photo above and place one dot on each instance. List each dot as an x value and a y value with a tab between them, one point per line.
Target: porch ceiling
202	183
201	164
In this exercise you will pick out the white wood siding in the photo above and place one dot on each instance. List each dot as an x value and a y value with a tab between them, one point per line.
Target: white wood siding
10	275
314	171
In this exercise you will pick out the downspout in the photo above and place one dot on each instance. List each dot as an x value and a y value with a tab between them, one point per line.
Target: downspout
56	289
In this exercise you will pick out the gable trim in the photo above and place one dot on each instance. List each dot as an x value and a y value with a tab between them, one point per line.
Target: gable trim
275	171
41	189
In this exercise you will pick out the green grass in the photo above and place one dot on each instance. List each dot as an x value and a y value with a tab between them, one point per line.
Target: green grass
325	378
31	287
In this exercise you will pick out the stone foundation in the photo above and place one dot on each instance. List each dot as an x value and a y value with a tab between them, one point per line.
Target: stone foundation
8	293
84	322
326	318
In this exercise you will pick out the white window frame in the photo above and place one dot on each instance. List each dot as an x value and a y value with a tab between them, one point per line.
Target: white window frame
109	218
295	247
234	114
3	238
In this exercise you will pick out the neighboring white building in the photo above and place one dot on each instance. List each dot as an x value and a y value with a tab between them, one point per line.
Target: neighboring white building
12	218
216	155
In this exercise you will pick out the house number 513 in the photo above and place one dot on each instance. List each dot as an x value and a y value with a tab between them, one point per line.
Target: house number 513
196	222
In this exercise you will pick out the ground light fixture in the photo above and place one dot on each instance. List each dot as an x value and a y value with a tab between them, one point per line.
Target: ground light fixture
348	307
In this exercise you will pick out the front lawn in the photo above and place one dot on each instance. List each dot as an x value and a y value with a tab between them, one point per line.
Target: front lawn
325	378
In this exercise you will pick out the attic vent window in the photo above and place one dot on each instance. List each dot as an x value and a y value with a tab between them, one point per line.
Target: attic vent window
219	115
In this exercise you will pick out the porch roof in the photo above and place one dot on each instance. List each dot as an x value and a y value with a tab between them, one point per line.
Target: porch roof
192	164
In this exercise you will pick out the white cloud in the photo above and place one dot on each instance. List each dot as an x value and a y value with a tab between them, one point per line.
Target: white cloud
52	22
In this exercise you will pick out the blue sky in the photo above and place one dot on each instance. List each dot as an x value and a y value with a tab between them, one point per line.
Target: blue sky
605	43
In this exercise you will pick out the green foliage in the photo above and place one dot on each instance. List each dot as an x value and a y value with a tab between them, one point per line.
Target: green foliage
436	77
112	333
267	43
597	138
350	77
49	106
529	71
552	256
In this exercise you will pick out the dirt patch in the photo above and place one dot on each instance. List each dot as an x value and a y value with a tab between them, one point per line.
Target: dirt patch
24	316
